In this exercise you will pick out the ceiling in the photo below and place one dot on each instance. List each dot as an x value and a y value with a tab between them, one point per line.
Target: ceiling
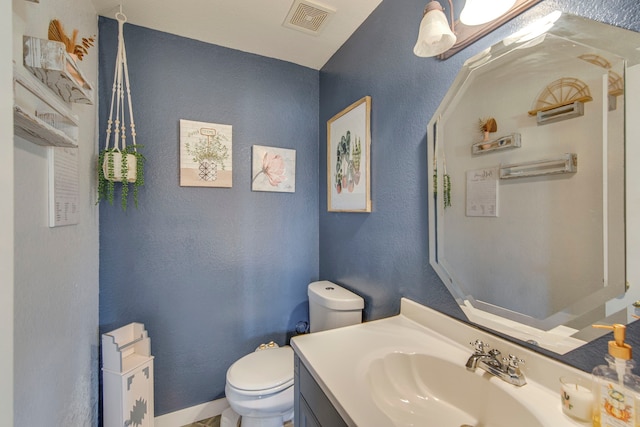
254	26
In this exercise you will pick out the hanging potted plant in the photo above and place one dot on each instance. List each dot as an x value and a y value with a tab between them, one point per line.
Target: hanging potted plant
125	166
119	162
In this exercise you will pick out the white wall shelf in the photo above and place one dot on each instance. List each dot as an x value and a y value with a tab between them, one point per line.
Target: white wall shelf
39	115
567	163
49	61
502	143
37	131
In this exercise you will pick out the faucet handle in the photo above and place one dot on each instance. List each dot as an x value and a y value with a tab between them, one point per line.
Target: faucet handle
495	353
479	346
513	361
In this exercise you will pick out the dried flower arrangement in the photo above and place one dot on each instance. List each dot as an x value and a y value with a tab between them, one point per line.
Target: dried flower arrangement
57	33
487	126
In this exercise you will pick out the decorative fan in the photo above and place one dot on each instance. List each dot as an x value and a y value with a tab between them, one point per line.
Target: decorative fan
596	60
616	83
564	91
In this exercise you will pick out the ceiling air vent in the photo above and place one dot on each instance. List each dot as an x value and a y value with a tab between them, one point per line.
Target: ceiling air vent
308	17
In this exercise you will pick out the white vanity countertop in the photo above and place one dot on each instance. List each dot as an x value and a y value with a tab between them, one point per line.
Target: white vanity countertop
339	359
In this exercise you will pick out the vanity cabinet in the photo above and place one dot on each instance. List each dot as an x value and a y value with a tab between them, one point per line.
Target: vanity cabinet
312	408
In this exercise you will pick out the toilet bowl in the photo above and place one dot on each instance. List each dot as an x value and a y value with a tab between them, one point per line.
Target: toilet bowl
260	385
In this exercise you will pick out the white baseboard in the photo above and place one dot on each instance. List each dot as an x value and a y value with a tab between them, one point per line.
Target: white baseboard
192	414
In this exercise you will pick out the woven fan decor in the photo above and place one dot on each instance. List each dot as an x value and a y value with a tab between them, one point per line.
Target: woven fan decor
564	91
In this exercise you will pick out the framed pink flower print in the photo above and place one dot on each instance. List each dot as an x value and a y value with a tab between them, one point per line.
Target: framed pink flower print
273	169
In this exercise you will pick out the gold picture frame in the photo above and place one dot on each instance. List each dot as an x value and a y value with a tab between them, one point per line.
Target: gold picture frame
348	158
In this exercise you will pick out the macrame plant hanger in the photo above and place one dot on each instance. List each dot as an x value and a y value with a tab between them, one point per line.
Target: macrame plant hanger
117	143
117	162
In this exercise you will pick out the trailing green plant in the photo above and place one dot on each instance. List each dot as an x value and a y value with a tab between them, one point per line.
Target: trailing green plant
106	186
446	189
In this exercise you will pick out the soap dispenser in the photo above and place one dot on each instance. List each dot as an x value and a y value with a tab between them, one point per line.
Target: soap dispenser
616	390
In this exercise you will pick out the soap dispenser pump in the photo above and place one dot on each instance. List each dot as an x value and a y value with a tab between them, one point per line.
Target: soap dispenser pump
616	390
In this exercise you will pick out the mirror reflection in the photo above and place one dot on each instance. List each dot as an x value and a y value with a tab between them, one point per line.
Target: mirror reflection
527	169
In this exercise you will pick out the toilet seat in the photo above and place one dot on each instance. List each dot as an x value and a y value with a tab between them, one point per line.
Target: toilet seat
262	372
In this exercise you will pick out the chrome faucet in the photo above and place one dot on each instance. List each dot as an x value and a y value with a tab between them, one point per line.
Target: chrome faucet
478	355
508	369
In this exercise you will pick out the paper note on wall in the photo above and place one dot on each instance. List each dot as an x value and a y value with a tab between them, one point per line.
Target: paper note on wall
482	192
64	194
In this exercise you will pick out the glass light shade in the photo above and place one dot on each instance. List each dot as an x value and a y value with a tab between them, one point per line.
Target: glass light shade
478	12
435	36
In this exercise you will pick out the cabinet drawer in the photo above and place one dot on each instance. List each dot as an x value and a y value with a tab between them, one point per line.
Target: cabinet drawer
306	418
319	404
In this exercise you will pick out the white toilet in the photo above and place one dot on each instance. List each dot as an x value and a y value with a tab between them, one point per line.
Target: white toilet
260	385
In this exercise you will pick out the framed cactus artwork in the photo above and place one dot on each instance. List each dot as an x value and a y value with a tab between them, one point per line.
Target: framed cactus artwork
273	169
348	172
205	154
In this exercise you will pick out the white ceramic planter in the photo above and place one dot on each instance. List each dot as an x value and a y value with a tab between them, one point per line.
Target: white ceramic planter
117	167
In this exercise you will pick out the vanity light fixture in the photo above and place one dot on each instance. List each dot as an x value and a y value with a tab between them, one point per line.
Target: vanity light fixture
478	18
476	12
435	36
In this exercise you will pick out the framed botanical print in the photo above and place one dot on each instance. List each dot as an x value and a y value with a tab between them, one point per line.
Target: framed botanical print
348	164
205	154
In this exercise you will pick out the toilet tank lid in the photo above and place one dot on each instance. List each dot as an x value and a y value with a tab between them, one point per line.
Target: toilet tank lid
334	297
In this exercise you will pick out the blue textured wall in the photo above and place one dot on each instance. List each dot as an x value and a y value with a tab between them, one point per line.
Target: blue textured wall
214	272
383	255
211	272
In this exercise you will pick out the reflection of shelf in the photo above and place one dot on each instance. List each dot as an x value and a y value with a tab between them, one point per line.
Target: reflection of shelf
560	100
504	142
567	163
616	88
49	62
561	112
39	116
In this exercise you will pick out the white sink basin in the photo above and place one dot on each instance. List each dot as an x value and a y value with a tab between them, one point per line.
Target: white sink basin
409	370
413	388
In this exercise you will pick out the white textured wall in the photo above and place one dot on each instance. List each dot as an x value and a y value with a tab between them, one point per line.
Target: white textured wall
6	223
56	269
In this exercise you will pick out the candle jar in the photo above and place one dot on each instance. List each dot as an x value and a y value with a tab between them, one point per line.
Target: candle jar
577	398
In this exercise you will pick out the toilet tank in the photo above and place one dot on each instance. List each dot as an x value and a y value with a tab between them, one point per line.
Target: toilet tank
332	306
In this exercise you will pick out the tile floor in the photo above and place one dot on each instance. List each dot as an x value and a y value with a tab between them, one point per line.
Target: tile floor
215	422
209	422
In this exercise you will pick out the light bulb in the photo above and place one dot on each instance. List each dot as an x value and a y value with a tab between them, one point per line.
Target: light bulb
478	12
